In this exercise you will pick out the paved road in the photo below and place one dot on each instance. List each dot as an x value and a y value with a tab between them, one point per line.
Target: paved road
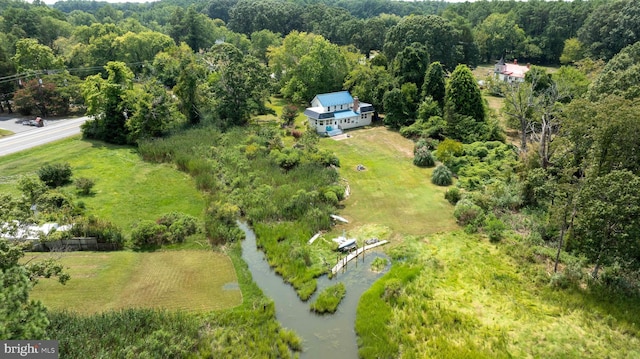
26	137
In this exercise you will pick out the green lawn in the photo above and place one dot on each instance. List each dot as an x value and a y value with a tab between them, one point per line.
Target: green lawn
391	192
127	189
184	280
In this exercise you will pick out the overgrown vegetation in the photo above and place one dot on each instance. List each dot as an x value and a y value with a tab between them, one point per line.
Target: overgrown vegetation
454	286
286	192
170	228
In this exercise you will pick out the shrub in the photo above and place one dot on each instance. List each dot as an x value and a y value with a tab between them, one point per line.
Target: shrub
84	185
325	158
288	158
453	195
448	149
423	157
442	176
55	175
54	235
330	197
467	212
296	134
103	231
494	228
54	201
220	224
147	234
32	188
178	226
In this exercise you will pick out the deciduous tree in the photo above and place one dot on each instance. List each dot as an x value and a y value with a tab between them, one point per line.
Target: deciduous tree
33	56
105	100
306	65
410	65
606	229
239	84
153	111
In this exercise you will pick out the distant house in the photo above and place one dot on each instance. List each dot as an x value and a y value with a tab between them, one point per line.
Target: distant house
510	72
330	113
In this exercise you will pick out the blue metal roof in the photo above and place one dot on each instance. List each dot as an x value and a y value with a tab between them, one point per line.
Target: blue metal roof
335	98
344	114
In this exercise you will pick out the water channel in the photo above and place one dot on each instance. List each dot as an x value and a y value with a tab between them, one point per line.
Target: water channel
331	335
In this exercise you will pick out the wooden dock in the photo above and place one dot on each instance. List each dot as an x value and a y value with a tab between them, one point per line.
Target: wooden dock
343	261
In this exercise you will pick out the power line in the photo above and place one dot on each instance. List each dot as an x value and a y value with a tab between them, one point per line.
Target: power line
26	75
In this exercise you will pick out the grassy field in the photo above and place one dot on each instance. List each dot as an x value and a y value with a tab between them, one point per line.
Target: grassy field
391	192
451	294
4	132
127	189
184	280
470	299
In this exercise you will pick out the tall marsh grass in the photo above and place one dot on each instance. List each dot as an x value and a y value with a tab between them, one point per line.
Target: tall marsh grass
285	205
469	298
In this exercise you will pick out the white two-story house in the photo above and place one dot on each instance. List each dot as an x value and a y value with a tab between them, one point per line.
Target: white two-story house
330	113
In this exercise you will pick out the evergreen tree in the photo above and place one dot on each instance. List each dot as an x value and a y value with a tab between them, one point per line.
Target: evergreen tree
464	110
434	84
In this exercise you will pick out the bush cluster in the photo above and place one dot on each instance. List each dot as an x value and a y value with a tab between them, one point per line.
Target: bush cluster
170	228
104	231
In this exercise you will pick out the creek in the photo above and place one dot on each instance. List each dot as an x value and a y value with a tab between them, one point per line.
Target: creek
329	335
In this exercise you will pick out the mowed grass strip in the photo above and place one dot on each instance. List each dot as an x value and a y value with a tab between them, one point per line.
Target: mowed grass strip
176	280
391	191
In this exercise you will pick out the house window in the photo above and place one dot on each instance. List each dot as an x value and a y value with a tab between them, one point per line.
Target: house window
328	108
341	107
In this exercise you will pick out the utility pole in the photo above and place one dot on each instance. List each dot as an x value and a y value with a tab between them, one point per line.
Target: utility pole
43	108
